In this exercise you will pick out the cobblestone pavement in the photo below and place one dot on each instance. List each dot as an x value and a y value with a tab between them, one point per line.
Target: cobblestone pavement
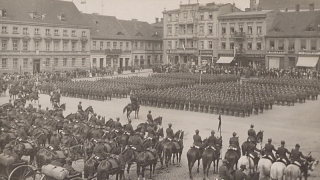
297	124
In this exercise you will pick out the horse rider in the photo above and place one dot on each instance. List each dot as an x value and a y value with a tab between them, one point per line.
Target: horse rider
239	174
55	105
100	150
296	155
223	171
150	130
22	134
251	151
169	132
252	134
54	141
212	140
136	142
29	108
197	142
93	119
282	152
234	143
117	125
80	107
128	129
46	112
268	149
78	115
59	113
149	117
100	121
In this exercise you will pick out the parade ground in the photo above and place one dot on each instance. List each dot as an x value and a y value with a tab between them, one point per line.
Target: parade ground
294	124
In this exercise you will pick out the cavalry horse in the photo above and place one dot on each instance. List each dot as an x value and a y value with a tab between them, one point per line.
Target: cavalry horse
86	112
34	97
132	107
294	172
254	140
211	154
55	98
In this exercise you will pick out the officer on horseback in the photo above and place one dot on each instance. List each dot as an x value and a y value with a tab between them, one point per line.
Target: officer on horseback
251	151
80	107
268	149
128	128
252	134
212	140
282	152
100	150
117	125
169	132
93	119
297	156
136	142
197	141
234	143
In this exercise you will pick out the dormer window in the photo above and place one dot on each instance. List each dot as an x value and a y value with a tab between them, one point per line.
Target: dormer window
120	33
96	21
309	29
3	12
33	14
62	17
155	35
139	34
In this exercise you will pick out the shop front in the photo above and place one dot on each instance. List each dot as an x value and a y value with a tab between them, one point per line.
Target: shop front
308	63
112	58
206	57
254	60
226	60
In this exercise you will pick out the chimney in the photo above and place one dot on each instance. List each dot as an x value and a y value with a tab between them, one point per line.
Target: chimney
297	7
233	7
311	7
161	19
247	9
286	10
157	20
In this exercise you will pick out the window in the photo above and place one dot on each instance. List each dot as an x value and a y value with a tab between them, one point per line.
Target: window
83	61
176	30
201	45
15	62
223	30
232	29
36	31
115	44
210	45
258	45
25	30
56	45
15	45
201	16
65	32
108	45
56	62
25	45
185	15
169	30
101	45
121	45
25	62
169	45
36	45
223	45
259	29
210	31
65	45
73	62
249	46
240	28
4	63
231	45
169	17
47	62
176	44
73	44
177	17
127	45
313	44
15	30
65	61
271	44
84	33
210	15
161	60
303	44
47	45
94	45
4	13
201	30
4	44
193	14
291	45
47	31
4	29
141	45
56	32
73	33
94	62
250	29
83	46
280	44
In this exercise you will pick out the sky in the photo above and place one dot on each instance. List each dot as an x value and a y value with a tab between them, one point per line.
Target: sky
143	10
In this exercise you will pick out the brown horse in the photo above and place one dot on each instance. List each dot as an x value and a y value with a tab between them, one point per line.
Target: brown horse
208	157
258	139
173	149
132	107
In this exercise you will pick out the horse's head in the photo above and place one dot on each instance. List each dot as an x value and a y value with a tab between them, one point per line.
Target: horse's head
260	136
89	109
312	163
63	106
179	135
158	120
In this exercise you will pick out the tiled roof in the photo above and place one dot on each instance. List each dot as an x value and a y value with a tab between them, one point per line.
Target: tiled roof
105	27
303	23
283	4
245	14
140	30
18	10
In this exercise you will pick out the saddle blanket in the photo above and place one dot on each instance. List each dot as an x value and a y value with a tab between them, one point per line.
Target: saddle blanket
282	160
114	163
177	145
232	148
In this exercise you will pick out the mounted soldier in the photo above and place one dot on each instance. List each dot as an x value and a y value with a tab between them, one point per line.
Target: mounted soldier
282	153
297	156
169	132
212	140
117	125
252	136
128	129
80	107
136	142
234	143
149	118
268	149
197	142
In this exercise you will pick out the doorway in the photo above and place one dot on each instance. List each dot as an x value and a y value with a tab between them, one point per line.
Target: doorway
36	65
101	63
121	63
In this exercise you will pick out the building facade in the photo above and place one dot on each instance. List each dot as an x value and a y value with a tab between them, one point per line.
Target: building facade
35	37
191	32
294	40
242	37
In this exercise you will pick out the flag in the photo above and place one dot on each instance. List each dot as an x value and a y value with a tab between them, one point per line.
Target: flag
83	1
219	127
234	51
184	48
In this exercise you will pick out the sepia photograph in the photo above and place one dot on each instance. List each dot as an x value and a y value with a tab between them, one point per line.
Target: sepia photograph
159	89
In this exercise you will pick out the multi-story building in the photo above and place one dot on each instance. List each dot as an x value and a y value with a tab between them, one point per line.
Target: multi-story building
42	35
191	32
241	37
283	5
119	43
294	40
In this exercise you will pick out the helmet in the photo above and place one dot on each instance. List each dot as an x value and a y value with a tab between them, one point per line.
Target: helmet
212	132
170	124
283	142
269	140
251	126
197	131
80	102
130	120
297	146
118	118
149	111
234	134
95	114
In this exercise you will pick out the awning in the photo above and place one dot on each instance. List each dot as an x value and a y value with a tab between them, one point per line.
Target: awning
307	61
225	60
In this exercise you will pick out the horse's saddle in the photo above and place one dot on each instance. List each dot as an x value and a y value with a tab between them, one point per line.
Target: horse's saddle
233	148
282	160
177	145
151	153
114	163
211	147
268	157
297	163
195	147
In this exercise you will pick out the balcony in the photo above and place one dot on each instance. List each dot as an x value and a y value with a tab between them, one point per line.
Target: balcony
276	52
187	35
239	35
240	51
310	52
186	21
187	50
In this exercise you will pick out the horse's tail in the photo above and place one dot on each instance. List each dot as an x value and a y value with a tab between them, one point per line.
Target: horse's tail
125	109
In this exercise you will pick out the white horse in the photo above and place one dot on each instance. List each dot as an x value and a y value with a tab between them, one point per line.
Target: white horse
293	171
245	160
264	168
277	170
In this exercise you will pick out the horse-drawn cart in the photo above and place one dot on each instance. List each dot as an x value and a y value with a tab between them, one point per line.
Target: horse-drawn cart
16	171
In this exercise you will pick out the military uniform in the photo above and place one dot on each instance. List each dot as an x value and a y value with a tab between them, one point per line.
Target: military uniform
282	153
170	133
136	142
268	150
